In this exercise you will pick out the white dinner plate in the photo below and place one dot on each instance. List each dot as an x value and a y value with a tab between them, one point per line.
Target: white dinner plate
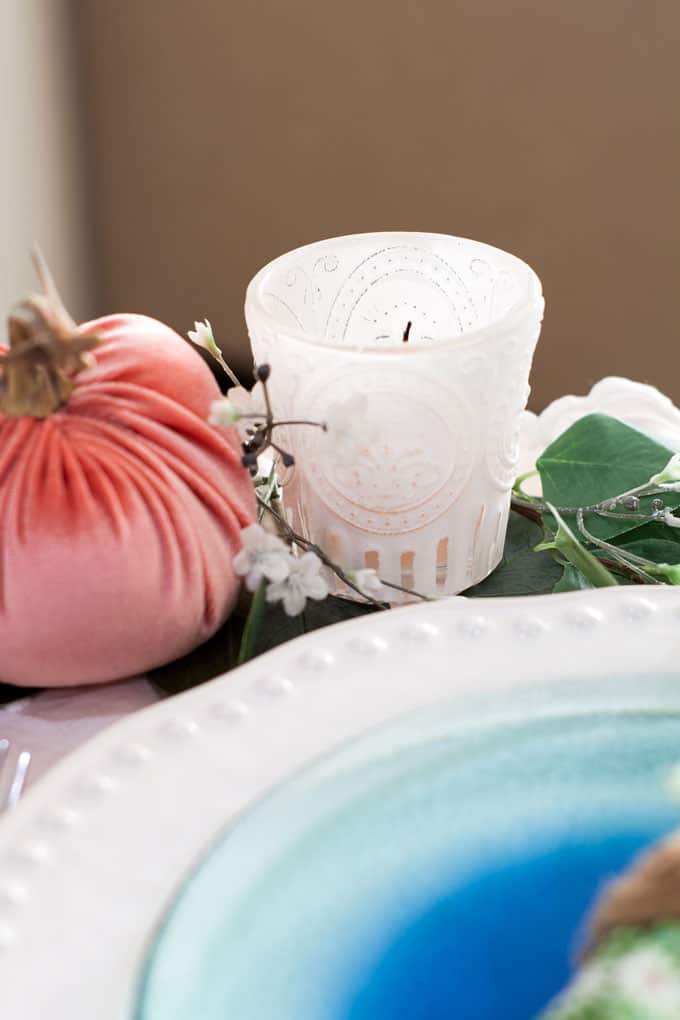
94	855
97	852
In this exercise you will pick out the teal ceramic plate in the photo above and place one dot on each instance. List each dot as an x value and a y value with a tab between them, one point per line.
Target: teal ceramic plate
402	816
438	867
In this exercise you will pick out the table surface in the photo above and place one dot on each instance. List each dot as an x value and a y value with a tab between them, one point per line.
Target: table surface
54	722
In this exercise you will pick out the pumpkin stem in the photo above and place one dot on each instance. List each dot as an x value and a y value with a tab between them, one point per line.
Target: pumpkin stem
46	351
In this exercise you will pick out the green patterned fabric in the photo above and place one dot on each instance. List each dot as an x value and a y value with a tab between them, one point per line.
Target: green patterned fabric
634	975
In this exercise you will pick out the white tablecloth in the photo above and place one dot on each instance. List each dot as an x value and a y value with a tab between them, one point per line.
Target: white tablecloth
54	722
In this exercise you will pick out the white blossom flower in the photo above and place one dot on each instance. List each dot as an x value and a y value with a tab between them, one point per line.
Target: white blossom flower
670	473
238	408
368	582
262	557
245	403
670	519
249	401
349	428
202	336
224	412
304	581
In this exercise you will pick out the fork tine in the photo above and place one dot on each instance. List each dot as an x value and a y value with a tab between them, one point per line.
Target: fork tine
18	779
4	748
23	761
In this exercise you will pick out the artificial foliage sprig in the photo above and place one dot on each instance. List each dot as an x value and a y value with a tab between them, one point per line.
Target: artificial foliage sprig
624	507
595	453
261	424
288	564
564	541
364	581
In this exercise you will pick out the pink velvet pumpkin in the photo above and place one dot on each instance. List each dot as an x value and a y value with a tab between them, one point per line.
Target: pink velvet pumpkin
120	509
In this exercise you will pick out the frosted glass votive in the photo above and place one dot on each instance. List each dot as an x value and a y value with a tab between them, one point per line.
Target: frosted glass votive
425	499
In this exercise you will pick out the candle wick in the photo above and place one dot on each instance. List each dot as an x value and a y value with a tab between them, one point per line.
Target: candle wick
406	332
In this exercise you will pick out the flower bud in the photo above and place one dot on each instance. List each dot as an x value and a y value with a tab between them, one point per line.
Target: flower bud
223	412
668	572
670	473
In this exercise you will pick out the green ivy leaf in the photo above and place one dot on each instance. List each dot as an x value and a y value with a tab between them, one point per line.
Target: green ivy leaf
655	549
269	626
521	571
654	540
240	640
216	656
597	458
571	580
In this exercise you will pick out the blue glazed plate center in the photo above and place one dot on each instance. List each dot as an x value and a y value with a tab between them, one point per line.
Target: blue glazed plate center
499	947
438	867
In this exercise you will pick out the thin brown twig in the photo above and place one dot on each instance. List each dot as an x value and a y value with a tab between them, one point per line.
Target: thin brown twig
526	510
406	591
292	535
339	571
616	567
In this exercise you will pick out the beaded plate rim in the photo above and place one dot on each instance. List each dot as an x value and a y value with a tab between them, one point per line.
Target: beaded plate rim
95	852
61	850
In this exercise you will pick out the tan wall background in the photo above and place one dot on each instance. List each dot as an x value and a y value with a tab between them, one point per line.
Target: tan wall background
224	133
43	169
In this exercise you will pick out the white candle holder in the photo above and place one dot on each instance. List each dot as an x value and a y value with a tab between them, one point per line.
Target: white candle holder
426	501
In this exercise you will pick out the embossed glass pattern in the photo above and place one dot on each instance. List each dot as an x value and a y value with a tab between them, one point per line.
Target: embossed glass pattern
425	498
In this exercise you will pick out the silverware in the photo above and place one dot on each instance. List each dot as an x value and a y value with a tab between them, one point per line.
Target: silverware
18	775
